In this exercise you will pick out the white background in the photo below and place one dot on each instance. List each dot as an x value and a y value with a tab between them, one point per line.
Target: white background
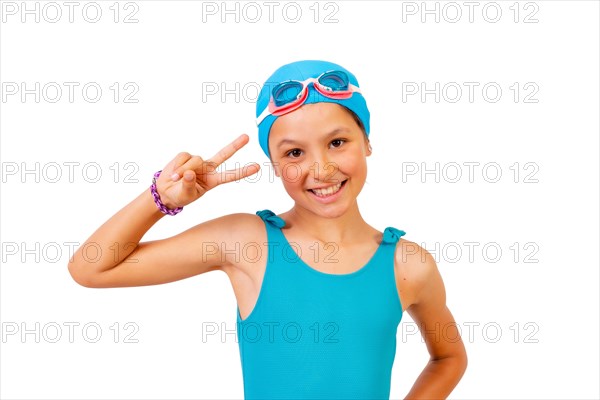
171	54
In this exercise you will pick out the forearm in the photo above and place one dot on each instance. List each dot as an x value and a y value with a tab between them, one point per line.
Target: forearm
438	379
116	239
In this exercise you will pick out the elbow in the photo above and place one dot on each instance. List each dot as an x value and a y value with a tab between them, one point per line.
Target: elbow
81	278
464	362
457	362
461	362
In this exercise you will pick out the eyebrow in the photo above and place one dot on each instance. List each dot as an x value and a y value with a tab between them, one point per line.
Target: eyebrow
330	134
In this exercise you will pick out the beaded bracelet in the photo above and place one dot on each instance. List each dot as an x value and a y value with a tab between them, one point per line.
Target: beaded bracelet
159	203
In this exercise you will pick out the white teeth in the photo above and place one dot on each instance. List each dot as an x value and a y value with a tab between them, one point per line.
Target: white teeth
327	191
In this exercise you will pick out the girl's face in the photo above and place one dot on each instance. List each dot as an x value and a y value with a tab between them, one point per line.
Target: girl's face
320	145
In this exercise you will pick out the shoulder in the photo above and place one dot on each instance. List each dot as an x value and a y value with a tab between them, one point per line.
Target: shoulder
240	225
231	236
241	228
416	271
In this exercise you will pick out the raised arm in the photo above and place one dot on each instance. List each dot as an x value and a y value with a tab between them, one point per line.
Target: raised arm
114	257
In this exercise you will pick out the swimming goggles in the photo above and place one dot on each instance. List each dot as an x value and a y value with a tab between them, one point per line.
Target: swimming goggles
289	95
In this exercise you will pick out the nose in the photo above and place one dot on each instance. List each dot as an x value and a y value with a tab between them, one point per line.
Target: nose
323	168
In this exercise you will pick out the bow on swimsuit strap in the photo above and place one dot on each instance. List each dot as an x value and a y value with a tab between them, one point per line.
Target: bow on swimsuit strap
270	216
392	235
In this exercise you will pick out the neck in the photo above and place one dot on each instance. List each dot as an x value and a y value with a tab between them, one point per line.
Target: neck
346	227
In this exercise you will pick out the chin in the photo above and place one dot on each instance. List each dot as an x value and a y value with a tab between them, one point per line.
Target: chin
326	211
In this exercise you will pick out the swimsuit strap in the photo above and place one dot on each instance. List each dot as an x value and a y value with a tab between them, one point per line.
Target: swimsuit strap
269	216
392	235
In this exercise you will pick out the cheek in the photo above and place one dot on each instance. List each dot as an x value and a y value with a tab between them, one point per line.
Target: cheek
351	164
291	174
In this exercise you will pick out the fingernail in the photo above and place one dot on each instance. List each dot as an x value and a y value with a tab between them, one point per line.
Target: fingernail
175	177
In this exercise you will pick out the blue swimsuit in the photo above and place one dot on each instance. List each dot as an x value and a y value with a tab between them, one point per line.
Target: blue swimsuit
314	335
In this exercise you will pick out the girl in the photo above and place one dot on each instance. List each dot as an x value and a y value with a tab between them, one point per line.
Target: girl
308	327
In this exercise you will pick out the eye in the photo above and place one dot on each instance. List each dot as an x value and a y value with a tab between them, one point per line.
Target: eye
338	140
295	151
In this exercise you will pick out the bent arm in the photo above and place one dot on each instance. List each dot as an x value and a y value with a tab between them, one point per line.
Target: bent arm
115	240
448	357
445	367
189	253
119	259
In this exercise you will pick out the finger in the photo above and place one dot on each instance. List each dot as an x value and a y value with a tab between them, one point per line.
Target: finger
189	184
195	163
229	150
179	160
237	174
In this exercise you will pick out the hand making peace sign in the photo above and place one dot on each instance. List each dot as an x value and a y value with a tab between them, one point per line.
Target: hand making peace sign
187	178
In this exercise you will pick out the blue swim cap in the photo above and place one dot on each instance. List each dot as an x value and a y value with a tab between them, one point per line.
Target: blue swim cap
301	70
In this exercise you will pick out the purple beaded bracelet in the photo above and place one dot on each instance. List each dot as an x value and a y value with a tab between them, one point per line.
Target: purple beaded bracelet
159	203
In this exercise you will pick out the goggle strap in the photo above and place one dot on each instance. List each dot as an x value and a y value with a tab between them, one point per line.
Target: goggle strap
354	88
263	115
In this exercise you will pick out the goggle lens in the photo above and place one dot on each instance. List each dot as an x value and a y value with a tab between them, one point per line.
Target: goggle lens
286	92
335	81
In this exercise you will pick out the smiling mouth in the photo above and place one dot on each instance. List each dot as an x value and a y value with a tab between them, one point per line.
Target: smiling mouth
328	191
